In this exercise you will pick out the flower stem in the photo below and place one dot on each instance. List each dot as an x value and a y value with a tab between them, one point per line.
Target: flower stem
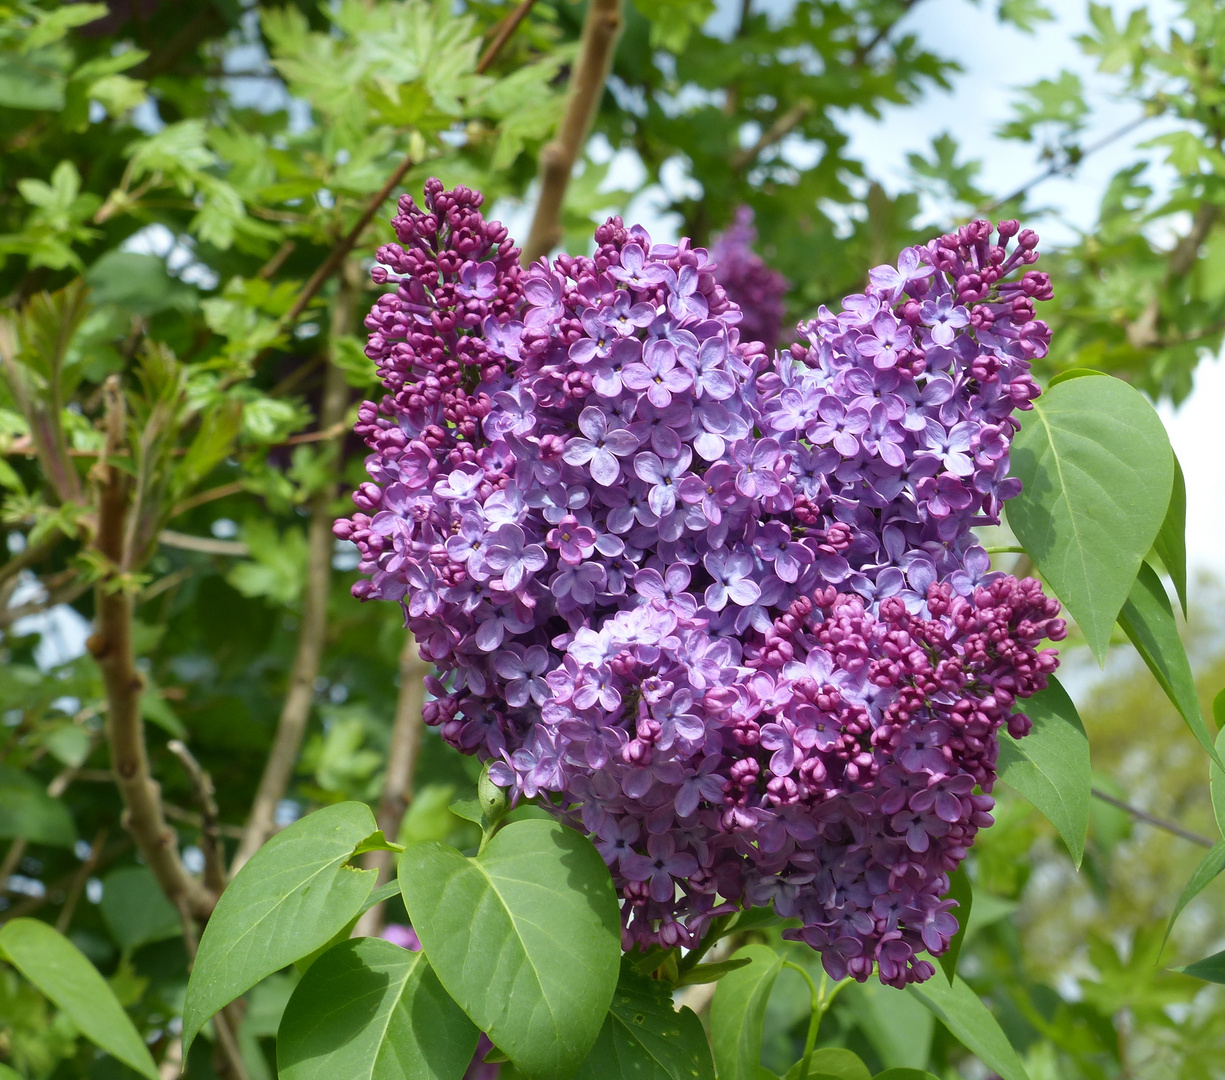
822	997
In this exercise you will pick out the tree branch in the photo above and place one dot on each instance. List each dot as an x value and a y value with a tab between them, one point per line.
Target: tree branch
1149	819
206	545
111	647
505	29
278	770
601	28
401	766
779	130
79	879
210	832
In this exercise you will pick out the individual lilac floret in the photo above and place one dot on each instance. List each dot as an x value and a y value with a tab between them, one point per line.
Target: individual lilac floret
726	611
753	286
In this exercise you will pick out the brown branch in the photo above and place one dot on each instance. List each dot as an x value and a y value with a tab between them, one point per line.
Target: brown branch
222	491
274	264
295	712
401	766
1144	333
778	131
196	821
79	879
32	903
1149	819
60	594
210	832
111	647
206	545
601	28
862	52
505	29
33	553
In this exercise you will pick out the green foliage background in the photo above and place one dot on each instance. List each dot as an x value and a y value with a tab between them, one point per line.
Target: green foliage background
170	176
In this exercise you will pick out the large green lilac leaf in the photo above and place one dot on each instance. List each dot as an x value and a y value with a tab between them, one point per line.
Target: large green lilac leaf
960	1010
27	812
370	1010
1148	620
738	1011
60	970
293	896
1171	542
1097	472
645	1038
525	937
1050	766
1209	868
136	910
961	891
905	1074
1210	969
831	1063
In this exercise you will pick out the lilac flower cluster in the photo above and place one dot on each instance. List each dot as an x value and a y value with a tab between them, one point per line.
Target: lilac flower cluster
749	283
723	611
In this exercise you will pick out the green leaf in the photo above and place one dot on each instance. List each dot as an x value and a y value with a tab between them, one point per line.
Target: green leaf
59	969
1050	766
738	1011
896	1024
905	1074
1216	775
961	891
834	1063
1171	542
1210	866
1097	471
1210	969
1148	620
959	1009
8	1074
135	910
645	1038
292	897
369	1010
708	973
28	82
525	936
27	812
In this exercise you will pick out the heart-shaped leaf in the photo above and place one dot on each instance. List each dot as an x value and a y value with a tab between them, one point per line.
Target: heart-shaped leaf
27	812
961	891
738	1010
525	937
370	1010
832	1063
1097	473
1171	542
1210	969
293	896
1050	766
1148	620
59	969
645	1038
970	1022
1209	868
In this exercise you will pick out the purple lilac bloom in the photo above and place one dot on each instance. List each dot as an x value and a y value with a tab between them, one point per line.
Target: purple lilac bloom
726	608
749	282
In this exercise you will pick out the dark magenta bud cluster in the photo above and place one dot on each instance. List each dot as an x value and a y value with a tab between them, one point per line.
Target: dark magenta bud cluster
750	283
722	610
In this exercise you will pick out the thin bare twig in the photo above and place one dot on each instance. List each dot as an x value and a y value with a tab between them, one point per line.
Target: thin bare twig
1149	819
401	765
1067	164
111	647
601	28
206	545
33	553
779	130
505	29
79	879
196	821
210	833
274	264
222	491
295	712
